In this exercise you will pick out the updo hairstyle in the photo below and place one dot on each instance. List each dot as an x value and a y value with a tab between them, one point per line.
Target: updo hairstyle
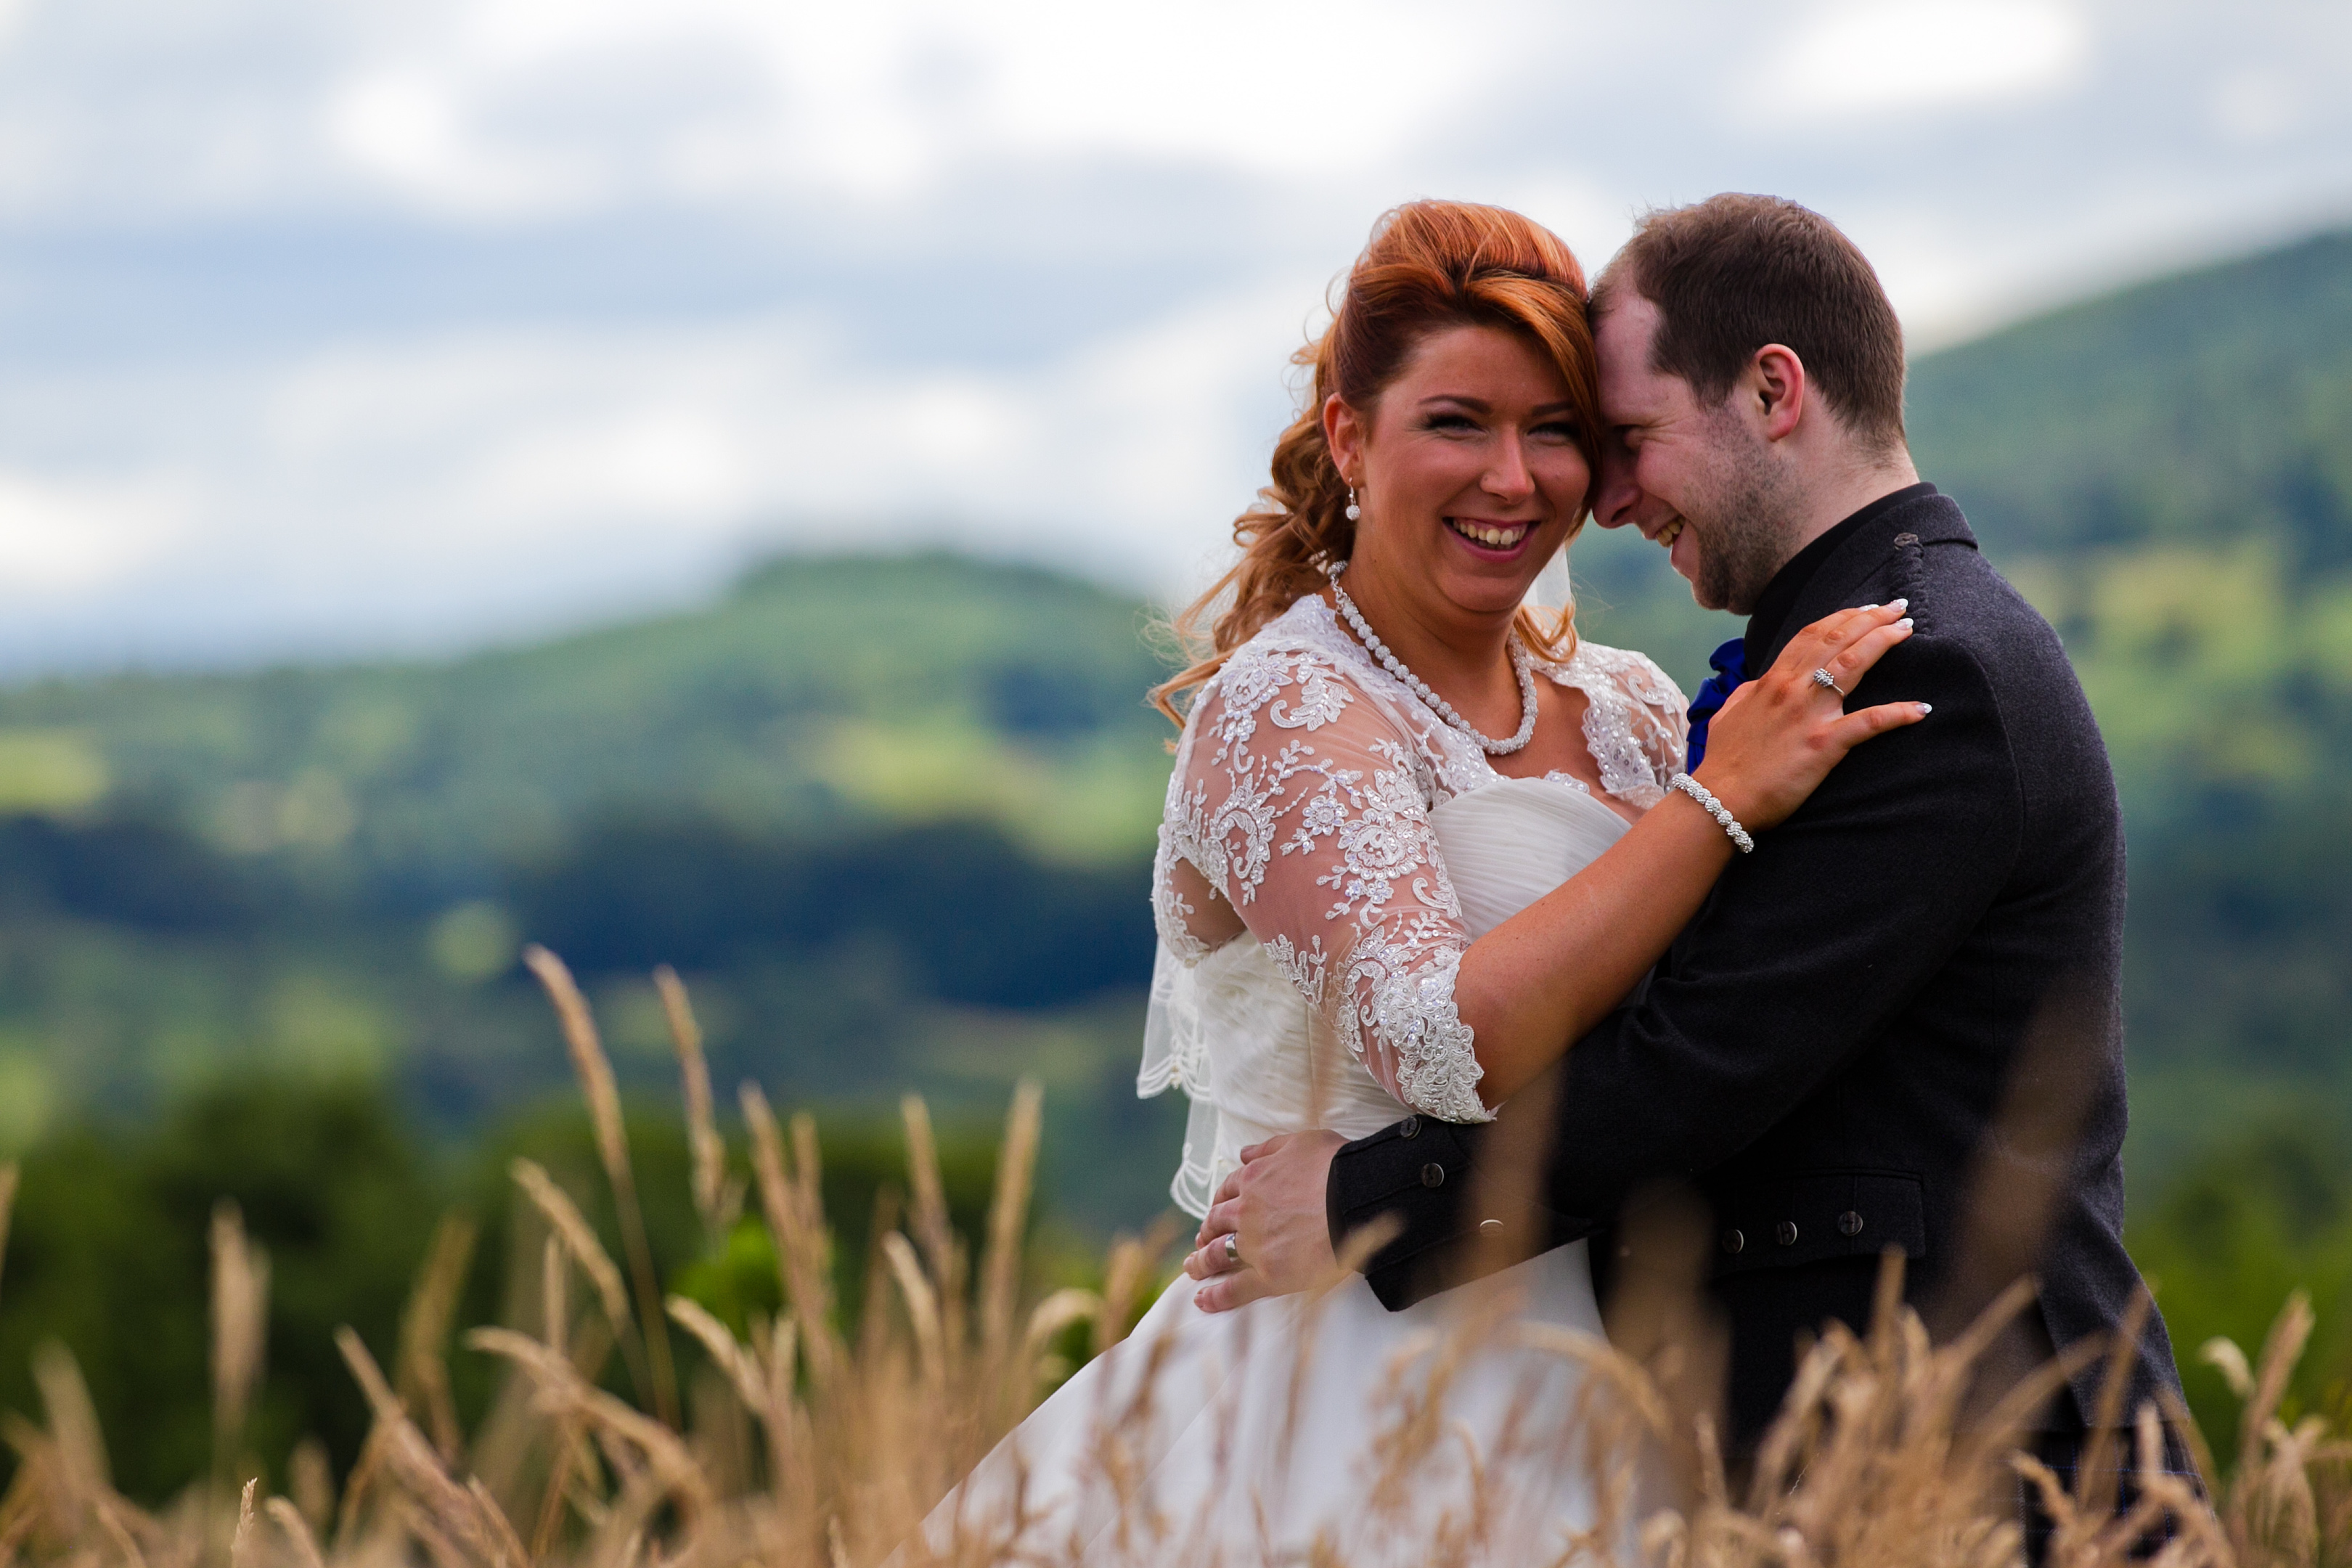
1429	266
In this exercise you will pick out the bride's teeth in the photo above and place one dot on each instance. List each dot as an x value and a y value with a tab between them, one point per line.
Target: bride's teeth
1499	538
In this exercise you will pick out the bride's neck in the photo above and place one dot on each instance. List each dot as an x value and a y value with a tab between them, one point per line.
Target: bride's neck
1465	657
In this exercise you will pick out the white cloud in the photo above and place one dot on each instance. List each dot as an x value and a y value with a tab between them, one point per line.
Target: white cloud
2255	105
61	536
880	102
1880	57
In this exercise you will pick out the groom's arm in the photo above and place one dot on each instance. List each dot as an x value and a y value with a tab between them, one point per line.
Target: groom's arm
1801	957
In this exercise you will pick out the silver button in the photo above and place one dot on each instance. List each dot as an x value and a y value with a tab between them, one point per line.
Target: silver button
1849	1224
1733	1241
1408	1128
1490	1224
1785	1233
1433	1175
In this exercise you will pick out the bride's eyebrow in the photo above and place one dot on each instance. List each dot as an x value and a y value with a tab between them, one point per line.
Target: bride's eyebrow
1480	406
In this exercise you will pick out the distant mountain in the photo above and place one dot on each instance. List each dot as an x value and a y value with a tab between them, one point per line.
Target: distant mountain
819	694
2204	412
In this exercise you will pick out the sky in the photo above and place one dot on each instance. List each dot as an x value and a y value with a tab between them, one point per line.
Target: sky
412	326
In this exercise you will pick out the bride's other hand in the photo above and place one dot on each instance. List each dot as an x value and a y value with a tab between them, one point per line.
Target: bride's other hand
1780	735
1274	1207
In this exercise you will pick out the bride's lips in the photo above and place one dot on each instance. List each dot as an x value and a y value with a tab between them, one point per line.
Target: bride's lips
1491	539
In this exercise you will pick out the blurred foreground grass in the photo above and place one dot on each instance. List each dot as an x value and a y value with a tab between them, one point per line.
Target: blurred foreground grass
687	1359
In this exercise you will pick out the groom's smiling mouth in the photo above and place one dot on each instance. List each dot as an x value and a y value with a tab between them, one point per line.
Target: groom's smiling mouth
1668	535
1499	537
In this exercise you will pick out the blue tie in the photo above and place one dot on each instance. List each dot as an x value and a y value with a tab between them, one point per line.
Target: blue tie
1730	662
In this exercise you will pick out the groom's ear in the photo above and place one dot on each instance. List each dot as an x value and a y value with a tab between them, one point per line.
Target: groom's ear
1774	390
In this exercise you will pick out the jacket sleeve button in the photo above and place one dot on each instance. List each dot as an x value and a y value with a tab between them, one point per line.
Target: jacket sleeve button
1408	1128
1490	1226
1785	1233
1433	1175
1733	1241
1849	1224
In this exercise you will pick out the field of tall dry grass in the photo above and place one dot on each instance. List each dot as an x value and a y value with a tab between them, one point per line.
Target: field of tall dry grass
633	1430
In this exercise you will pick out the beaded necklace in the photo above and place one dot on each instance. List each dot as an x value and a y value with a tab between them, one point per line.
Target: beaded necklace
1521	661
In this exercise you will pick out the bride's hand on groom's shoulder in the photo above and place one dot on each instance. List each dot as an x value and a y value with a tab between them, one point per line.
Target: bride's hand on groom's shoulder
1780	734
1273	1209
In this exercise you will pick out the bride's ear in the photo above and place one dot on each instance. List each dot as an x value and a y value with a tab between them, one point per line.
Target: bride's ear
1343	433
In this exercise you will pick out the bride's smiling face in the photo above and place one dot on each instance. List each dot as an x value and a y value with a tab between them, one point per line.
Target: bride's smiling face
1467	469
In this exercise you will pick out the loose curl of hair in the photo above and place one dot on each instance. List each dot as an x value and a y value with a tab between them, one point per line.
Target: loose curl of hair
1429	266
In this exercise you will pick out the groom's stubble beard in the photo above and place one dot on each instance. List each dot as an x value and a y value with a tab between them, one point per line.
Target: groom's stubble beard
1746	525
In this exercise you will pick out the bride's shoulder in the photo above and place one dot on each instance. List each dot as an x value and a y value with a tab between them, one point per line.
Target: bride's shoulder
1299	664
1631	673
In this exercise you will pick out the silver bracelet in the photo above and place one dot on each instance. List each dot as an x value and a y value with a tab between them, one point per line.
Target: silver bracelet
1715	809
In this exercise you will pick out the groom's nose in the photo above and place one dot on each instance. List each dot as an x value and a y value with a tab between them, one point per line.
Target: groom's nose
1616	499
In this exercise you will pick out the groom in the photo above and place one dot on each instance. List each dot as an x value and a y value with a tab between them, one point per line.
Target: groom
1896	1024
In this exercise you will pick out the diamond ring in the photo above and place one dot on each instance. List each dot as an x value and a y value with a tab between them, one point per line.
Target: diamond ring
1822	677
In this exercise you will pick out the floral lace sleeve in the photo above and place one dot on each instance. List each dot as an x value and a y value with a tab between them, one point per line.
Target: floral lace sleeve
1303	805
1635	724
1662	723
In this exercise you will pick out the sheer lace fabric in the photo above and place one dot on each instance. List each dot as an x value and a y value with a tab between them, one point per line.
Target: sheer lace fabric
1300	802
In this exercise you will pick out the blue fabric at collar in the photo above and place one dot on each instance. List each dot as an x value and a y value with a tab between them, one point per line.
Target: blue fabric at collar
1730	662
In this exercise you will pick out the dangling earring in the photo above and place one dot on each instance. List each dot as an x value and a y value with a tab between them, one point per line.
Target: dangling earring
1355	512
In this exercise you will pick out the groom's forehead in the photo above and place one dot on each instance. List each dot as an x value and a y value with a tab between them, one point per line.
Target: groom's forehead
1622	340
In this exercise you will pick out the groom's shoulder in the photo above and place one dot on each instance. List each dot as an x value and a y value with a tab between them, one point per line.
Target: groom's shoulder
1924	551
1976	628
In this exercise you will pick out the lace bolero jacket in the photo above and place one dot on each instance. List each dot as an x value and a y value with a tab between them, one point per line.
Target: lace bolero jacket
1301	801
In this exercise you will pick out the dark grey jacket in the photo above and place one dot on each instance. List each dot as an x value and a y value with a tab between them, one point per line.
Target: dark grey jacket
1927	951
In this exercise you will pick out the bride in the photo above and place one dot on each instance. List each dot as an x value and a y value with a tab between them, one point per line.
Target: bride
1419	838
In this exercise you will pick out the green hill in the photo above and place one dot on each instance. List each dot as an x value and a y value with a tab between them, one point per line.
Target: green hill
818	694
892	817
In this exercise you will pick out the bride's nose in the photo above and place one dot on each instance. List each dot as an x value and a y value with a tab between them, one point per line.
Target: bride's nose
1509	477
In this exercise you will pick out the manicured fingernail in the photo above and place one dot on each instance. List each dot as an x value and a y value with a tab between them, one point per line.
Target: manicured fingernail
1900	605
1905	623
1870	606
1926	709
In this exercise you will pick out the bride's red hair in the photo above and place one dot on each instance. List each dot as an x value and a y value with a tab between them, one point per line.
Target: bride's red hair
1430	265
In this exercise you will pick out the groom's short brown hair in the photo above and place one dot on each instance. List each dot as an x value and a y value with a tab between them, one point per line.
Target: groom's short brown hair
1733	273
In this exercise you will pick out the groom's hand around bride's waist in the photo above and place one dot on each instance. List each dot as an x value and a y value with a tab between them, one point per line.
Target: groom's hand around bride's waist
1273	1209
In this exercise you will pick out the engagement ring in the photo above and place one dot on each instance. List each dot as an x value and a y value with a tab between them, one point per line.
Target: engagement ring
1822	677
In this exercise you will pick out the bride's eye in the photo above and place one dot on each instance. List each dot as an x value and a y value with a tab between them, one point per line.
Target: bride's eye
1558	429
1455	422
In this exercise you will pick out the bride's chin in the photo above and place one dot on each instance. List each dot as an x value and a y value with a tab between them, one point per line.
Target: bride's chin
1486	597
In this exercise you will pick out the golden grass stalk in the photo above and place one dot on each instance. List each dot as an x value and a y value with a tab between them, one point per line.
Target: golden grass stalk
795	1213
240	1545
240	1314
8	1203
716	1199
1008	1216
466	1516
311	1478
289	1519
570	1226
422	1372
929	1218
603	1096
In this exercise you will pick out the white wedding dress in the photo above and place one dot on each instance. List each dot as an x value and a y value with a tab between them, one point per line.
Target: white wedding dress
1363	845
